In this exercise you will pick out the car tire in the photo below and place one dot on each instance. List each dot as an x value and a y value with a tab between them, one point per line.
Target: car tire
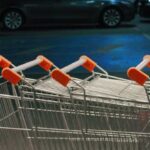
111	17
12	19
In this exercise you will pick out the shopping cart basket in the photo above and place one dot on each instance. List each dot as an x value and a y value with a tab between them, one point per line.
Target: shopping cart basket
99	112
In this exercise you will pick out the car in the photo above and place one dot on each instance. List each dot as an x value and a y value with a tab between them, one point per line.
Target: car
144	8
15	13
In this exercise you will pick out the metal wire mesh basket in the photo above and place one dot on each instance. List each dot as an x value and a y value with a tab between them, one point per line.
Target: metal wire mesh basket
99	112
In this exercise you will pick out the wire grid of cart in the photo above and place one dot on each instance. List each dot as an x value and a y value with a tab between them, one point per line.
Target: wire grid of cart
100	112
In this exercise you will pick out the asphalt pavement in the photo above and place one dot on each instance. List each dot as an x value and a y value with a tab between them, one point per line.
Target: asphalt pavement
114	49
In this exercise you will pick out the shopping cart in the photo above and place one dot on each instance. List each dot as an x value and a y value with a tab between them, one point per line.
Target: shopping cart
60	112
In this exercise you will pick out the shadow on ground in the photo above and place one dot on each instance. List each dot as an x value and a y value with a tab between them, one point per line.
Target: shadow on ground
35	28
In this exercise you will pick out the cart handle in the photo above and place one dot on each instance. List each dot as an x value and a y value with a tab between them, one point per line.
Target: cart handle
63	78
12	76
42	61
60	74
4	62
136	73
84	61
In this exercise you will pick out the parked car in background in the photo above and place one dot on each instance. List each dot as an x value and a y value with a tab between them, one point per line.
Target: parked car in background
144	8
15	13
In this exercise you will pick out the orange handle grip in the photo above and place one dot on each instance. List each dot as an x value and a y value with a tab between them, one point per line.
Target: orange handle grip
11	76
137	75
89	64
45	63
4	62
60	76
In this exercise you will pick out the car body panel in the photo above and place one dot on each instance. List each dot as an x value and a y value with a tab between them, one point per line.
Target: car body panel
144	9
62	10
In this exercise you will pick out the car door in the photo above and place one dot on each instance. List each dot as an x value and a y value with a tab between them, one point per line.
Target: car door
61	11
41	10
79	10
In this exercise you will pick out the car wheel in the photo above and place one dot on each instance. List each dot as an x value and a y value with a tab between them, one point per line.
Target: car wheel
13	19
111	17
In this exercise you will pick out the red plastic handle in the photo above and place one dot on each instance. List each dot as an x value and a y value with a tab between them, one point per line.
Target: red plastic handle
61	77
4	62
89	63
45	63
137	75
11	76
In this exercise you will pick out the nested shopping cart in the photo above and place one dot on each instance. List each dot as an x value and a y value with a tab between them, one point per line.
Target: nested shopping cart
59	112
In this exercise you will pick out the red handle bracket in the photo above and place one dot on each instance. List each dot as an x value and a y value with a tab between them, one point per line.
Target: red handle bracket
137	75
11	76
60	76
89	63
45	63
4	62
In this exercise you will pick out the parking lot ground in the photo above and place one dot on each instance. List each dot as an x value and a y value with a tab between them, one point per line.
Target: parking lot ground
114	49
